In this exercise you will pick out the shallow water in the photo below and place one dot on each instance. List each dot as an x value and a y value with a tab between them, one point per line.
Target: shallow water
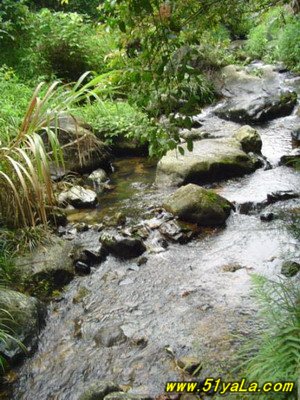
182	301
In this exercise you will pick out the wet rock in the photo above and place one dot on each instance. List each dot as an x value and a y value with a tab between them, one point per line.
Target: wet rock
296	134
189	364
27	319
195	204
78	197
193	134
211	160
91	256
246	208
110	335
290	268
252	98
122	246
82	150
249	139
99	389
232	267
142	261
292	159
97	178
281	195
173	232
82	268
126	396
52	264
267	217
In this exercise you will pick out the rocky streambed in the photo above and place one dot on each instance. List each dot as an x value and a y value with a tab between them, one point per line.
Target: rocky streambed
155	298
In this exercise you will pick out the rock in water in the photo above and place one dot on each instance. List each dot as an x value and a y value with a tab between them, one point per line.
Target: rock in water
252	98
28	315
78	197
290	268
97	178
121	246
195	204
98	390
211	160
249	139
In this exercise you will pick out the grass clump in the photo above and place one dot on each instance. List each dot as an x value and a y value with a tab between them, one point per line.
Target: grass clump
275	352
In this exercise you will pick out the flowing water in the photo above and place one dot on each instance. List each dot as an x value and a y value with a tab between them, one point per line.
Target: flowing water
183	301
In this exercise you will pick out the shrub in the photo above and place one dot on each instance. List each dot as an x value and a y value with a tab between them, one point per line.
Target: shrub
289	44
13	103
112	120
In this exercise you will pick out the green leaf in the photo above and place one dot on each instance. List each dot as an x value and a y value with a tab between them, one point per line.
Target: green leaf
181	150
190	144
122	26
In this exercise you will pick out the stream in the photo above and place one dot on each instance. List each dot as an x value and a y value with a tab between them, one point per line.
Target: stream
185	300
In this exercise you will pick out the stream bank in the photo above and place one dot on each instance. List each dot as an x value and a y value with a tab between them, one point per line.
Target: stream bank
129	321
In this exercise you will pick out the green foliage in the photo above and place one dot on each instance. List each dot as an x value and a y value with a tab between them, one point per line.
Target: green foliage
277	348
13	103
289	44
116	120
276	37
68	45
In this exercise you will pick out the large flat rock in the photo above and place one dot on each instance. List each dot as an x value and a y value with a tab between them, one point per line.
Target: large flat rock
211	160
253	98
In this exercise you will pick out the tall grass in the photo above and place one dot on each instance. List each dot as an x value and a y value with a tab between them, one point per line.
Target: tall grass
275	352
26	190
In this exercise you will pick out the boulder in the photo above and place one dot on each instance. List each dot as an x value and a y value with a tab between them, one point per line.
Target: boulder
82	150
24	317
195	204
211	160
290	268
78	197
122	246
249	139
252	98
51	263
98	390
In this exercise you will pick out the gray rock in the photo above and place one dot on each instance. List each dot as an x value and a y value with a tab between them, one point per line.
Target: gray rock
121	246
28	315
290	268
127	396
253	98
249	139
78	197
211	160
51	263
195	204
110	335
98	390
82	150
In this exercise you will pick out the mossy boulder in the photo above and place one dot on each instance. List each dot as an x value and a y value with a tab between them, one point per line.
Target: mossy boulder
249	139
23	317
210	161
195	204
